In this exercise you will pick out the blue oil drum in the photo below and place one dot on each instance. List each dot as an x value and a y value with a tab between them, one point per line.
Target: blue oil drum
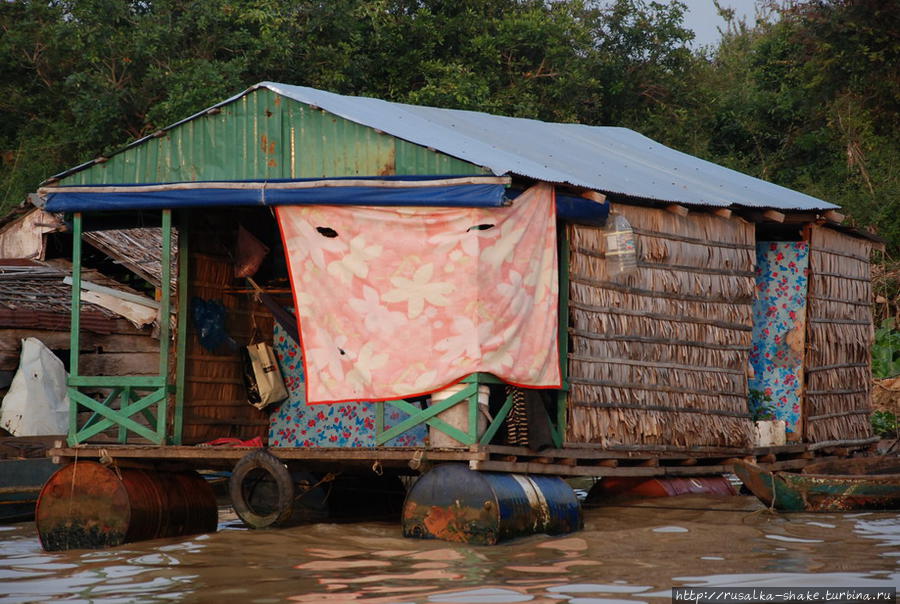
453	503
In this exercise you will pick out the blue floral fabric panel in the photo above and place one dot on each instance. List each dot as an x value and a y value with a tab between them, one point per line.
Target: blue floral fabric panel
295	424
779	328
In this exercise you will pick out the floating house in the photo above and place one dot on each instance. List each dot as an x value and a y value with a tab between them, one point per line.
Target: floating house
442	285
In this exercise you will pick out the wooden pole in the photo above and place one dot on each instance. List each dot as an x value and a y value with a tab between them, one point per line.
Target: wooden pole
183	310
74	345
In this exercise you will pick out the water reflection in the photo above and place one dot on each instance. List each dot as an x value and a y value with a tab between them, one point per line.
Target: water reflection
627	553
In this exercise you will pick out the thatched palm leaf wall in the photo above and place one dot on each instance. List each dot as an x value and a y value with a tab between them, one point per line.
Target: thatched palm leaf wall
839	338
215	400
660	356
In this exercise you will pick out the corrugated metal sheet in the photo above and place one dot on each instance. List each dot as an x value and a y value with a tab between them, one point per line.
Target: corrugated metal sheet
613	160
33	296
259	136
311	143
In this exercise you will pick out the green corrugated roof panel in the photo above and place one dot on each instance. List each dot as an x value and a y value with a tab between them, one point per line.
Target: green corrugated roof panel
263	135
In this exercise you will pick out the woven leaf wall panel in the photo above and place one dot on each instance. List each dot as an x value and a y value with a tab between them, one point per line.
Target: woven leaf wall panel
215	400
839	338
659	357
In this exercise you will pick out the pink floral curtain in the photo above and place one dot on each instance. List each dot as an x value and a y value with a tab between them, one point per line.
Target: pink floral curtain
399	301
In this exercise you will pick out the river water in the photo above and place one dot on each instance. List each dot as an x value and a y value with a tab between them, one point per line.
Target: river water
629	552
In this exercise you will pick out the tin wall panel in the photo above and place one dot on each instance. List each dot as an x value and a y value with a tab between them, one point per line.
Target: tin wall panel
264	135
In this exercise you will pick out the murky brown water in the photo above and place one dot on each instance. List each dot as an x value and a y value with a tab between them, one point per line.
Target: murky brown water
627	553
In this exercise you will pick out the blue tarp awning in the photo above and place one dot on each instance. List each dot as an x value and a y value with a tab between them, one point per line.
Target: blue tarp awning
467	191
455	191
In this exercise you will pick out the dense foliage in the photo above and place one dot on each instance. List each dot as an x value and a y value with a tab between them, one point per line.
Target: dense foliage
807	98
886	351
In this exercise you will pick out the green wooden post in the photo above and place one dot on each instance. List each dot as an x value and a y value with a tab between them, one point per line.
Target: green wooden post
181	341
379	418
472	401
473	414
165	319
563	318
125	400
75	327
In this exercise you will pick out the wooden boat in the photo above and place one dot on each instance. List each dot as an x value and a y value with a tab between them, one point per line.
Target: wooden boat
24	468
863	483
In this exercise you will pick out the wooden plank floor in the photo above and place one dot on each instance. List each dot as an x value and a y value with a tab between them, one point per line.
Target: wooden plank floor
569	461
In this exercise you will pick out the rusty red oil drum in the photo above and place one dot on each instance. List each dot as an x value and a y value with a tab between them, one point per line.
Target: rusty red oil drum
89	505
453	503
671	486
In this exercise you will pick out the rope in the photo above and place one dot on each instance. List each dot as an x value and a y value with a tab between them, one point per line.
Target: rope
72	494
107	460
416	462
330	477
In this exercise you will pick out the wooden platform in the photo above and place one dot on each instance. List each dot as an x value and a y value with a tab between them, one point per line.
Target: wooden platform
583	460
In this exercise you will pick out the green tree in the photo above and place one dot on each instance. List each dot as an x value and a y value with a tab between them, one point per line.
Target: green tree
82	78
810	100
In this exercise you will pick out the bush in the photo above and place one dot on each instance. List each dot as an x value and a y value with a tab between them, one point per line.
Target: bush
884	424
886	351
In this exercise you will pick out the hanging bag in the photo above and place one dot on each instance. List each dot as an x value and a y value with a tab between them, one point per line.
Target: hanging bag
264	382
262	377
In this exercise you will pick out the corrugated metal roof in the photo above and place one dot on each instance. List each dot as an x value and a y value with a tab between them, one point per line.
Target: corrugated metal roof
608	159
613	160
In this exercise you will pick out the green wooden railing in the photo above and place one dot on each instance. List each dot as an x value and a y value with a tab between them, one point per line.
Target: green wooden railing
129	397
429	416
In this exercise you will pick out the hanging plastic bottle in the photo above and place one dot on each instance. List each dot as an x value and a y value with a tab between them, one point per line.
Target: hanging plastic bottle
621	255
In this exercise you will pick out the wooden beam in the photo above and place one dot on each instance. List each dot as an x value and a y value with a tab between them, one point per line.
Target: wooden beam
696	470
833	216
798	218
329	454
594	196
722	213
657	450
678	210
773	216
120	363
536	468
843	443
789	464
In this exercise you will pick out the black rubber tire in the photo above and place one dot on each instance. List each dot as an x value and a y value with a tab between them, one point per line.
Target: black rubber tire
262	464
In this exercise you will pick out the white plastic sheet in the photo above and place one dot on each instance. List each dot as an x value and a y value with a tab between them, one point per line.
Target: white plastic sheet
37	403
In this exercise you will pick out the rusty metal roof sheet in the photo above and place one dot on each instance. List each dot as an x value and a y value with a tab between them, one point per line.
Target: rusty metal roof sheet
33	295
139	249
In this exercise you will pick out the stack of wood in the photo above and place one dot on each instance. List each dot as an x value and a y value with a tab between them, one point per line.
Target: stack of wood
660	357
